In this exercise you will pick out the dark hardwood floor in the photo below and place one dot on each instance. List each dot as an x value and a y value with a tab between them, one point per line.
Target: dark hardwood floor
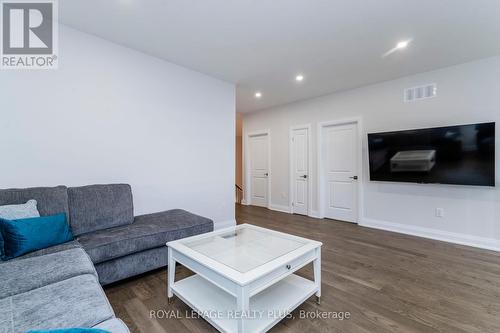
388	282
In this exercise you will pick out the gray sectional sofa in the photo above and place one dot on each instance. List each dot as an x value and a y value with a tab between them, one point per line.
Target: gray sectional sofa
61	286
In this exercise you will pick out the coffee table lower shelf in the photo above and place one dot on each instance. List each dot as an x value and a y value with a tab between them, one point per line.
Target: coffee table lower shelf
206	298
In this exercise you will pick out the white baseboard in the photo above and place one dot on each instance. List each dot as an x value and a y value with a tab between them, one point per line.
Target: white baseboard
244	202
314	214
445	236
286	209
279	208
224	224
441	235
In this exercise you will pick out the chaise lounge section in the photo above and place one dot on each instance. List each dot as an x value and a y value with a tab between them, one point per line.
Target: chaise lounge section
60	286
57	290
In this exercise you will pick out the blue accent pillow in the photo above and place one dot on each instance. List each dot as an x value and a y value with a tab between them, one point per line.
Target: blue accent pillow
1	245
27	235
71	330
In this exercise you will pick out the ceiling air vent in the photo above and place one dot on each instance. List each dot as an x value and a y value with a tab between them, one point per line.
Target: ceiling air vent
420	92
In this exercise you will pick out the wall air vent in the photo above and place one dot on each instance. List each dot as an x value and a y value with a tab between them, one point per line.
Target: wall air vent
421	92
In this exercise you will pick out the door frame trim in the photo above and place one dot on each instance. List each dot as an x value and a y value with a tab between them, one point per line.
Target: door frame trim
321	193
291	195
246	153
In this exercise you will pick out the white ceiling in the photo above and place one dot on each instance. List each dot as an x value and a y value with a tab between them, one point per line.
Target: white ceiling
262	44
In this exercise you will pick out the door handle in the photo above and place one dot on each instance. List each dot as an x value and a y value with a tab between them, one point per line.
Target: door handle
304	176
266	174
354	177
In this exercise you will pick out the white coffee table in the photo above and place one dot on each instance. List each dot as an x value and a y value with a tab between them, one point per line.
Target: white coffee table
244	279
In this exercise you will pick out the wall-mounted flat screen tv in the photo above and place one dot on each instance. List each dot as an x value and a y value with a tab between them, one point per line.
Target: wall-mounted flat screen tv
460	155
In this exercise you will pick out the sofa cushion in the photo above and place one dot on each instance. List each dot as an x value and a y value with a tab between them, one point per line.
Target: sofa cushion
20	276
50	200
114	325
147	232
75	302
5	316
97	207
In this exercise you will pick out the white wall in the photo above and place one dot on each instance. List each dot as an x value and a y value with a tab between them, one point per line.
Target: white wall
110	114
467	93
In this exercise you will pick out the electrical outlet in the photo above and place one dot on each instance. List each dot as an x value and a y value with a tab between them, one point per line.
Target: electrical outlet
439	212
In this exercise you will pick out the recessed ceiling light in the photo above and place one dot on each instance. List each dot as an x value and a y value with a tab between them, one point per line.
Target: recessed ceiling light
403	44
299	78
258	94
399	46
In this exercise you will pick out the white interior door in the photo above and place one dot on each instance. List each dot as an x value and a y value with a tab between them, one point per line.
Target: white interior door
259	170
340	165
300	171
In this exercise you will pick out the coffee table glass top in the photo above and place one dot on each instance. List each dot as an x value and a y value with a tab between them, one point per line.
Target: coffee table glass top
245	248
